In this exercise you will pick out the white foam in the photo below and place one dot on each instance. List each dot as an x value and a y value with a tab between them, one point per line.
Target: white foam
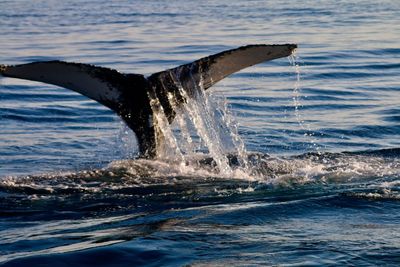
202	126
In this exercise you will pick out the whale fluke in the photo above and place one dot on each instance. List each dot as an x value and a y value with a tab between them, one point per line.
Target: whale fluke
129	95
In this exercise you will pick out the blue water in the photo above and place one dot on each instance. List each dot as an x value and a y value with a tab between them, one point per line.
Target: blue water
326	147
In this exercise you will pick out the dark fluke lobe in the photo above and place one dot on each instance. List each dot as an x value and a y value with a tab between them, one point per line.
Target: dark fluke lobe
130	95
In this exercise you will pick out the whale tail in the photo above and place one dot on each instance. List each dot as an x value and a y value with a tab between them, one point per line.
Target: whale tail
129	95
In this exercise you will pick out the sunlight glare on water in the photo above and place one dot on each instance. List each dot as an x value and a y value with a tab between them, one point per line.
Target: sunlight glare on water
317	141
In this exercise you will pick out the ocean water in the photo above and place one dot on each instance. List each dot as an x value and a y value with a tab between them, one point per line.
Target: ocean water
319	134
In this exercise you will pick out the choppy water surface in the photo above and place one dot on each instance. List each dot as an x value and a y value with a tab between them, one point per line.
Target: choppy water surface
313	171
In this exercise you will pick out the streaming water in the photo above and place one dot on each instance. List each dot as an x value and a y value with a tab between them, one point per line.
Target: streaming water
203	128
308	176
294	60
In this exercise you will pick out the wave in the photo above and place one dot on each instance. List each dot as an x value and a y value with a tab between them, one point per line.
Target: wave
131	199
140	180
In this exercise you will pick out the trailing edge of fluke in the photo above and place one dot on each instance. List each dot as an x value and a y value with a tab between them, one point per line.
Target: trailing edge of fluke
129	95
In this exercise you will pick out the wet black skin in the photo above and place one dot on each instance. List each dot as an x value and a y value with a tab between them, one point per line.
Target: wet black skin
135	109
130	95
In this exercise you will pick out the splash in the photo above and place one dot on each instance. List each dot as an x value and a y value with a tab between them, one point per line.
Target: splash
202	127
